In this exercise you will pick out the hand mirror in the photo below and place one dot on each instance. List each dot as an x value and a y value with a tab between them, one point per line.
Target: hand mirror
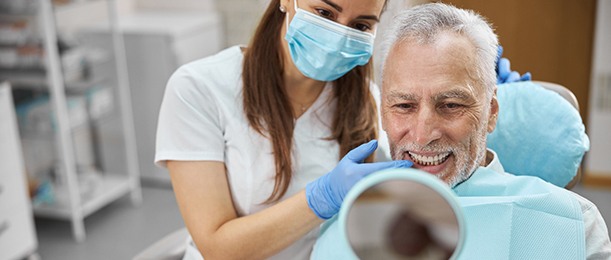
402	214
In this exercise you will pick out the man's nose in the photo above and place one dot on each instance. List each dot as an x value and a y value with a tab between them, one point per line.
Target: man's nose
426	129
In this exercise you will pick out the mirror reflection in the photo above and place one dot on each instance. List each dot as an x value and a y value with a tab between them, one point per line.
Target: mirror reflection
402	219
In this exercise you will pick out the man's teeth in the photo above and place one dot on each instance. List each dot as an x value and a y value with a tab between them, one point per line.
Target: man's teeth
429	160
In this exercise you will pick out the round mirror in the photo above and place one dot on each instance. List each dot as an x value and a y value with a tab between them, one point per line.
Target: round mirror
412	216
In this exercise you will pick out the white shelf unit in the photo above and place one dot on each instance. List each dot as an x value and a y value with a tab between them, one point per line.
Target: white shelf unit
110	189
17	230
111	186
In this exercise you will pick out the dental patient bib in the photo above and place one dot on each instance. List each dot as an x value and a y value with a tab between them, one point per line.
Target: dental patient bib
519	217
505	217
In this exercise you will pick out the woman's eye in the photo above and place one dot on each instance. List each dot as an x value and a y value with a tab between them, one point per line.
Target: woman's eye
362	27
325	13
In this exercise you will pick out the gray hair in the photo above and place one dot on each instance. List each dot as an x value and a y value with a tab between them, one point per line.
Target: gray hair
424	23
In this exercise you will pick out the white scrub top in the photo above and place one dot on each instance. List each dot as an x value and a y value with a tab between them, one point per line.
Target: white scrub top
202	118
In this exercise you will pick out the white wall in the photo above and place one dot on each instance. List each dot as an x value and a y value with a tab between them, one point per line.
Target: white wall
193	5
84	13
240	17
74	16
598	160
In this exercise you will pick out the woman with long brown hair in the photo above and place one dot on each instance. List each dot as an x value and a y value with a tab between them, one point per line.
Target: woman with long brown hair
253	136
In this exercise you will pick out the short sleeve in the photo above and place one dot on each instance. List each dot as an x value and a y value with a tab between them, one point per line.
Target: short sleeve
598	245
189	126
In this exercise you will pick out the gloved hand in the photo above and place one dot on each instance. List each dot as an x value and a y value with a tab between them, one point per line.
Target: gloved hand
325	194
504	73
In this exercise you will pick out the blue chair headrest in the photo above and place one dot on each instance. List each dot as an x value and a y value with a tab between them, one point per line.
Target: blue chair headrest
538	133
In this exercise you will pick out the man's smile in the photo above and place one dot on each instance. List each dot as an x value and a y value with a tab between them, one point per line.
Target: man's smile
431	162
430	159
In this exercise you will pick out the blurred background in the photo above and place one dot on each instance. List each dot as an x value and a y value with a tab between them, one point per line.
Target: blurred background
81	82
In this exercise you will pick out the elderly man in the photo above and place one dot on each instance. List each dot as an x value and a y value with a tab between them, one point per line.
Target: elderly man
438	105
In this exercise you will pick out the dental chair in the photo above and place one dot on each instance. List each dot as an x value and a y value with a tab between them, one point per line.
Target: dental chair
539	132
170	247
503	141
570	97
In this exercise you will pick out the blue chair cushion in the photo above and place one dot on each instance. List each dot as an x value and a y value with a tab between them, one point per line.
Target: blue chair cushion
538	133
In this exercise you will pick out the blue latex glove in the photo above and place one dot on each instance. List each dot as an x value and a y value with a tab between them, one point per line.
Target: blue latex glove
504	73
325	194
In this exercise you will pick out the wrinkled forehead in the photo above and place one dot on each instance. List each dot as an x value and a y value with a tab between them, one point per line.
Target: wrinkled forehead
446	64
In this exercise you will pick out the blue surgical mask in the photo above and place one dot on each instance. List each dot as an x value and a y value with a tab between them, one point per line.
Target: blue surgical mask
325	50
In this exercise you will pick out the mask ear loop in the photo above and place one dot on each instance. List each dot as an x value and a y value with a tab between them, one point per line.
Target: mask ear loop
286	21
287	13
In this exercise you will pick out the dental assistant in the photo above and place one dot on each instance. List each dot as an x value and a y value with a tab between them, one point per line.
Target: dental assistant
253	136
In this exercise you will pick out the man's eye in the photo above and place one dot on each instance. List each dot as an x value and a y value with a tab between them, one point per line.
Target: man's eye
404	106
451	106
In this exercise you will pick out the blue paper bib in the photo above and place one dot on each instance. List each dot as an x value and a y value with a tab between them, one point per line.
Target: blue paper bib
519	217
506	217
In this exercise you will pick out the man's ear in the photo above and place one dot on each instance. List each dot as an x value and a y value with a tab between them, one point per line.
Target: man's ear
494	112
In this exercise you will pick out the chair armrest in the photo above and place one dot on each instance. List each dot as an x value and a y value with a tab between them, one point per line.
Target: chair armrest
170	247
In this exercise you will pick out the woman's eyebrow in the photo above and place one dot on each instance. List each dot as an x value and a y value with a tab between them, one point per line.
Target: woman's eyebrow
340	9
334	5
368	17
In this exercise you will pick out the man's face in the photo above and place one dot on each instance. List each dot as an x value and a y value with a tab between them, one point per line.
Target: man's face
434	112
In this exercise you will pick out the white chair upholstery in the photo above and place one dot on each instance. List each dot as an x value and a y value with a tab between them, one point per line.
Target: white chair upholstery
170	247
